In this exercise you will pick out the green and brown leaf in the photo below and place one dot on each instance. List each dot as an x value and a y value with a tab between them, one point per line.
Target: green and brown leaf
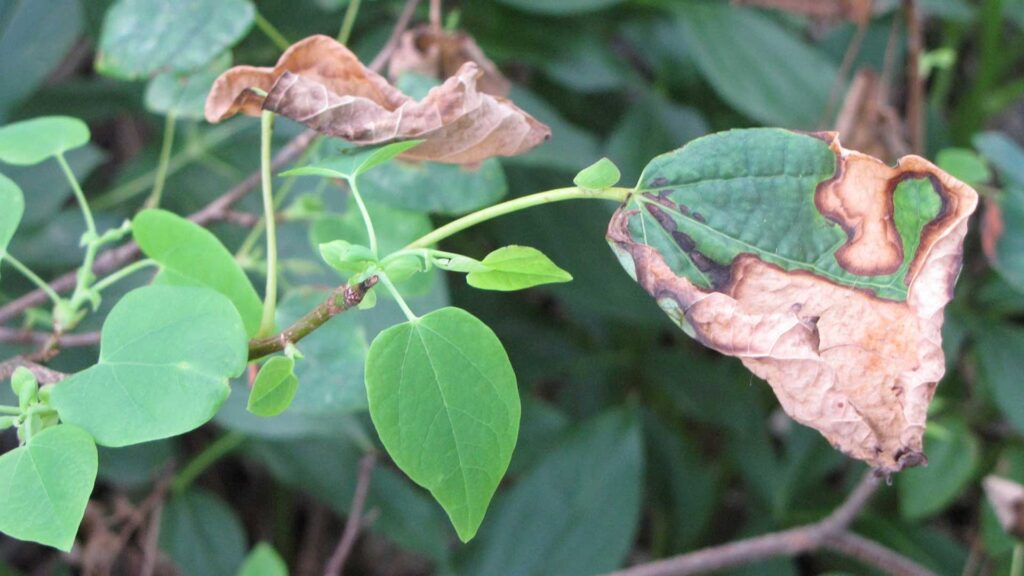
823	269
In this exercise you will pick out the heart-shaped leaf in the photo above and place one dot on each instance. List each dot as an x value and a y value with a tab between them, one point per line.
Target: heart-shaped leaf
274	388
166	354
515	268
194	256
823	269
141	38
598	176
32	141
444	400
45	485
12	206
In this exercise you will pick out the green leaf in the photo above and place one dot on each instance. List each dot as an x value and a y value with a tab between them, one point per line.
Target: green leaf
964	164
274	388
141	38
446	189
515	268
681	213
1003	153
793	94
598	176
32	141
351	162
562	7
45	485
166	354
575	513
999	357
443	398
1006	226
953	456
194	256
12	206
184	93
263	560
346	257
202	534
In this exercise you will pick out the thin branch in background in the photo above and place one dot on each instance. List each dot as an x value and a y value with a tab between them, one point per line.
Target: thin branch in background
830	533
43	374
844	69
915	82
355	517
14	336
435	14
377	64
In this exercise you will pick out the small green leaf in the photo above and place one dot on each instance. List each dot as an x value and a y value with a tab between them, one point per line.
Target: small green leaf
459	263
444	400
45	485
12	207
401	269
32	141
141	38
352	162
263	560
964	164
515	268
598	176
166	354
274	388
24	385
346	257
194	256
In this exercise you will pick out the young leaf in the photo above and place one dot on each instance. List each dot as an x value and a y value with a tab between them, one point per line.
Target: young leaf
821	268
141	38
458	263
444	400
274	388
194	256
515	268
346	257
598	176
166	354
351	162
32	141
45	485
12	206
263	560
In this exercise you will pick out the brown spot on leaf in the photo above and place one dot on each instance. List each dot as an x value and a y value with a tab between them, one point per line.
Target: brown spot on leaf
858	368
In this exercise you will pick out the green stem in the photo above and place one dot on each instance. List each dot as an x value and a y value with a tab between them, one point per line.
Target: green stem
398	297
272	32
12	410
90	224
220	448
1017	564
349	21
521	203
165	158
366	215
123	273
28	273
270	296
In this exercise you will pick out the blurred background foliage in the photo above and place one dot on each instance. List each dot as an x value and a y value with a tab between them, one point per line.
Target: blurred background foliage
636	443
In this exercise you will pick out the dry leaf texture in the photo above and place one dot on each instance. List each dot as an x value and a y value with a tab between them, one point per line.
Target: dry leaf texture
824	270
440	54
321	84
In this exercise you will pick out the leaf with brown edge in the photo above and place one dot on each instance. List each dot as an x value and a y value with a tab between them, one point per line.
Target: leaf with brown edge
440	53
823	269
320	83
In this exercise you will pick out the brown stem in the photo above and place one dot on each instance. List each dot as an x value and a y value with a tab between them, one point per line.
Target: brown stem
341	299
873	554
43	374
12	336
915	83
829	533
377	64
355	517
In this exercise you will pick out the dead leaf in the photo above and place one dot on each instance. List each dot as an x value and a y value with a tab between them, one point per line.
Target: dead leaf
992	229
1007	499
868	122
858	367
857	11
321	84
439	54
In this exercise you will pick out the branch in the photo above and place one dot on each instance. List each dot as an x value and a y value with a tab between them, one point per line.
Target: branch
355	515
43	374
829	533
13	336
342	298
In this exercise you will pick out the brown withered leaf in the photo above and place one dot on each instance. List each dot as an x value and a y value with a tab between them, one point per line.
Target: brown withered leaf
1007	499
321	84
868	122
823	269
440	54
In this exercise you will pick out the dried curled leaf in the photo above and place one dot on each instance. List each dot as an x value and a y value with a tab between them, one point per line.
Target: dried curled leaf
440	54
1007	499
320	83
824	270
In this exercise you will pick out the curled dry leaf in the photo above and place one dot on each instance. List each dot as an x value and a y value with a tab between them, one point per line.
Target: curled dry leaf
321	84
1007	499
824	270
440	54
868	122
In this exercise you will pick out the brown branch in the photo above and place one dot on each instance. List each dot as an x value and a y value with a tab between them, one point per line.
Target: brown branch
873	554
915	82
377	64
13	336
355	517
43	374
342	298
829	533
